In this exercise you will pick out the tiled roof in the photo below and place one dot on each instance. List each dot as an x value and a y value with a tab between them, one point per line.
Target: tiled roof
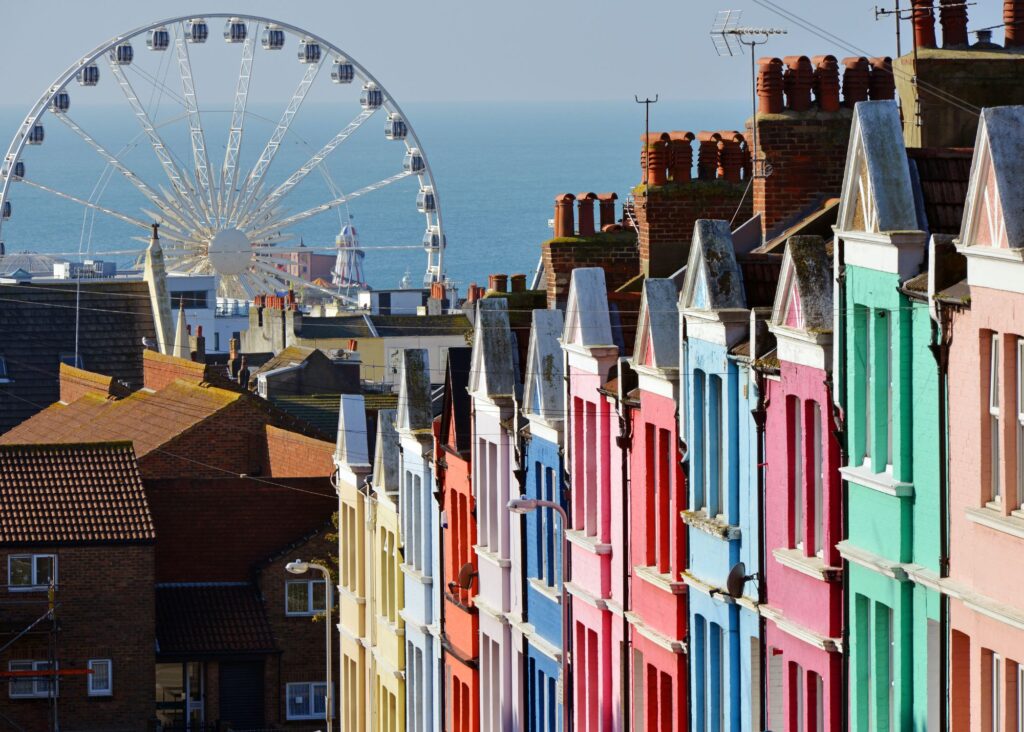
760	277
211	619
286	357
319	410
383	326
38	327
57	494
943	175
149	419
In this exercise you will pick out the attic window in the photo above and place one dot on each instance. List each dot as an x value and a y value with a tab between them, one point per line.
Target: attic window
72	359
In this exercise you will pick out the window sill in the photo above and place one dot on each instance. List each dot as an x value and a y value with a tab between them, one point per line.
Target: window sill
881	482
317	613
995	519
590	543
714	526
492	557
410	571
652	576
815	567
549	591
348	594
29	588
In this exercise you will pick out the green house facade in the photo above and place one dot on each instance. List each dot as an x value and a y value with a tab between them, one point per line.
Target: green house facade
887	383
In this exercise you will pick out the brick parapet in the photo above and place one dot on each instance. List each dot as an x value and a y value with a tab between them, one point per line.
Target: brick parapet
614	252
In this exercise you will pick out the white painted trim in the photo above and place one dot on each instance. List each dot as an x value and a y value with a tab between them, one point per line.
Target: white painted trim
590	543
487	609
882	482
550	593
663	582
993	519
805	349
712	591
995	269
801	632
711	525
662	384
539	427
412	573
669	644
491	557
870	560
814	567
580	593
900	253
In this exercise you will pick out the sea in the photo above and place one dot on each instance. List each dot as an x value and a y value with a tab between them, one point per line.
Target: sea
497	168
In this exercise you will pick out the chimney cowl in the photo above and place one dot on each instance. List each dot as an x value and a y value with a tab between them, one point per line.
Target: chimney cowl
770	86
1013	21
797	82
826	83
924	23
856	80
882	83
953	17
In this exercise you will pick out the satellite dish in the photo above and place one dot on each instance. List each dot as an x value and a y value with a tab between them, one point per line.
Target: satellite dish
737	579
466	575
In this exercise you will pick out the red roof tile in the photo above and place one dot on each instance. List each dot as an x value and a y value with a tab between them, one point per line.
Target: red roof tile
196	619
55	494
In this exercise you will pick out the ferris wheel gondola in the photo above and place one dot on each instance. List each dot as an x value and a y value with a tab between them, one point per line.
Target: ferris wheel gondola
227	219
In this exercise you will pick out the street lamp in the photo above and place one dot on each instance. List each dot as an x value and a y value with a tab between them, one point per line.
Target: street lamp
298	566
524	505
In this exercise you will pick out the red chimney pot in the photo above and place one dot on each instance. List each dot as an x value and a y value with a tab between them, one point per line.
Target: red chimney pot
798	80
924	23
1013	19
585	206
563	215
770	86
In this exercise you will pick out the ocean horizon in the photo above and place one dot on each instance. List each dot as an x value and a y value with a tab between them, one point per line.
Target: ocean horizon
498	167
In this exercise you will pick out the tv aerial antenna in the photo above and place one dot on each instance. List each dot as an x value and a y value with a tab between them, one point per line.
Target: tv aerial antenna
729	38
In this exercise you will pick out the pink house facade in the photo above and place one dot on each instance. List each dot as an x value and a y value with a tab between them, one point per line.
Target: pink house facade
803	496
986	439
657	496
593	461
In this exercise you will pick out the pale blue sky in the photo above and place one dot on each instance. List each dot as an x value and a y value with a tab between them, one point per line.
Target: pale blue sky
447	50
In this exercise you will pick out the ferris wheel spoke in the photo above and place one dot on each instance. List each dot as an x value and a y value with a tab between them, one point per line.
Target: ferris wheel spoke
195	122
285	276
264	282
88	204
295	178
339	201
229	171
166	207
274	143
163	155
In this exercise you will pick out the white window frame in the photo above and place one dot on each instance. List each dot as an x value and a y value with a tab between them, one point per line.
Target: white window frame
996	691
798	694
994	421
34	586
311	608
92	665
1020	434
313	690
817	480
40	686
796	481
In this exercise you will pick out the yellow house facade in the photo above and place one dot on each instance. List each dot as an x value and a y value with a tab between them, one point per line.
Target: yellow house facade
387	598
352	461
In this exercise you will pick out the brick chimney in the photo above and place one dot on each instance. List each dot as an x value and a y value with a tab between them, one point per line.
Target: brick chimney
564	225
953	16
497	282
1013	19
606	208
924	23
585	207
803	143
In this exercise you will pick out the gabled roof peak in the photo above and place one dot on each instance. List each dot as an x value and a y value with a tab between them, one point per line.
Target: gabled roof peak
385	459
657	340
543	392
352	448
587	318
713	277
414	406
994	215
803	300
495	367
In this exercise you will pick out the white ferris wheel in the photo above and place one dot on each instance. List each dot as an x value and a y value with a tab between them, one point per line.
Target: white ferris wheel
221	208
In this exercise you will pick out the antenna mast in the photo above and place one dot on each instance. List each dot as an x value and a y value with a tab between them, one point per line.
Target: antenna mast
647	130
728	35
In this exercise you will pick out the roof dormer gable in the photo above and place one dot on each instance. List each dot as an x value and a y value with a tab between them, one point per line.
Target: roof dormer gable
543	393
495	367
385	459
803	300
587	317
713	280
351	447
414	405
994	214
657	340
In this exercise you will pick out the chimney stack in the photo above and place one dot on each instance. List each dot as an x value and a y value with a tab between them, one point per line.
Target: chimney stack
953	16
199	353
924	23
1013	18
585	206
606	208
564	226
497	282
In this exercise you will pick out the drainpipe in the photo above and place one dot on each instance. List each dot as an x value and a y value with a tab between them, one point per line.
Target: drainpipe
838	420
941	341
519	472
624	441
760	415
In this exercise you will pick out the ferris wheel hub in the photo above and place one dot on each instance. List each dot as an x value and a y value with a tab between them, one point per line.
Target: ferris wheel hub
230	252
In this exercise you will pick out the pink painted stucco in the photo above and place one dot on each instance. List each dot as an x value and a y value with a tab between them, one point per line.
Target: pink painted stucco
806	602
985	562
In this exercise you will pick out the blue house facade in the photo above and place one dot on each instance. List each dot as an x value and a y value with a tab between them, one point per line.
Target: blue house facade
726	294
543	407
419	513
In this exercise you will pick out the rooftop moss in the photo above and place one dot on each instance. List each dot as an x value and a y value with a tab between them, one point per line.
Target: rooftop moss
602	238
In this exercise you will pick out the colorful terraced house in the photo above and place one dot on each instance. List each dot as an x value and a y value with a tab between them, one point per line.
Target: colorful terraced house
657	540
352	464
459	621
420	515
493	389
723	300
387	595
986	437
544	410
803	607
594	464
888	386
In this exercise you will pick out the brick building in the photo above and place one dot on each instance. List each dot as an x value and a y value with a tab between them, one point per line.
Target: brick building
100	564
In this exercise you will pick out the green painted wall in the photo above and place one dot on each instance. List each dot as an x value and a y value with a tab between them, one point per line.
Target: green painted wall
903	530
